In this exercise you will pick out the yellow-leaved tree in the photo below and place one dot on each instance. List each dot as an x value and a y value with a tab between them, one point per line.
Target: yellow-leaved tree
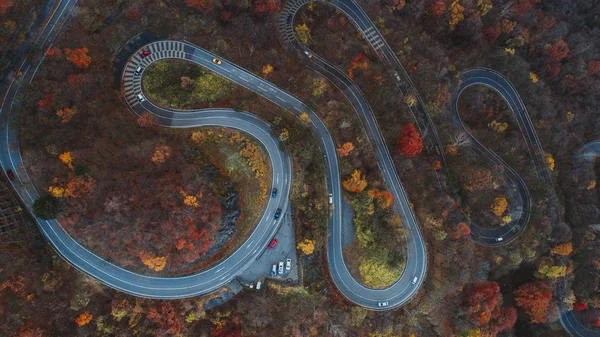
267	69
499	205
67	158
307	246
355	183
156	263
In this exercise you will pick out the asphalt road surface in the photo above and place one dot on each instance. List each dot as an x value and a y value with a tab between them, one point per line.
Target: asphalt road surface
589	152
214	278
202	283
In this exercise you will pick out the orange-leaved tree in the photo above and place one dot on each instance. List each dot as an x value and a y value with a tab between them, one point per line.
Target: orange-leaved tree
83	319
345	149
79	57
66	114
384	197
67	158
563	249
355	183
410	143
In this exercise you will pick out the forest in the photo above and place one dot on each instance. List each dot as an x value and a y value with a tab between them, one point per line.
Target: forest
74	124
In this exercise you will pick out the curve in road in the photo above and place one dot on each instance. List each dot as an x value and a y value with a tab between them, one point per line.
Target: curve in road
484	236
121	279
521	215
589	152
404	288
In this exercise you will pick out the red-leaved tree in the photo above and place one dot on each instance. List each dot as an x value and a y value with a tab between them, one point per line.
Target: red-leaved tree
480	301
266	6
410	143
535	298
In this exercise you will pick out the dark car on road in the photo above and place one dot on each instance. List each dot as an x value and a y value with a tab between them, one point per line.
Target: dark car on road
10	174
274	193
272	244
278	213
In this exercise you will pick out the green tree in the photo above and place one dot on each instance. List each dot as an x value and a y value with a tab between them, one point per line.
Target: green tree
46	207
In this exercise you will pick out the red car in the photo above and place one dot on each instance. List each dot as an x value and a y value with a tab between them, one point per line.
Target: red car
272	244
10	174
145	53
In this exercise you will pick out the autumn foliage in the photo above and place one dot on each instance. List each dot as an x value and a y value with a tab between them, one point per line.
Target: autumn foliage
559	51
437	8
593	67
5	5
345	149
83	319
266	6
355	183
499	206
79	57
165	315
204	5
385	198
307	246
481	298
535	299
156	263
563	249
360	62
462	229
410	143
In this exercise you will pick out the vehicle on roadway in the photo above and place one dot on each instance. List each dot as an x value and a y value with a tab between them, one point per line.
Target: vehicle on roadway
141	98
330	198
397	77
280	267
216	60
383	304
138	70
288	264
272	244
274	193
144	53
307	54
278	213
414	280
500	239
274	270
10	174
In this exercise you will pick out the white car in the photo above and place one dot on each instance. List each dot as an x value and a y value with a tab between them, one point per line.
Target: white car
280	267
500	239
141	98
307	54
274	270
383	304
138	70
288	264
414	280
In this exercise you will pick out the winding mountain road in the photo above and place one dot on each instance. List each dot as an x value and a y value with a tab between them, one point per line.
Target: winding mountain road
589	152
211	280
116	277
